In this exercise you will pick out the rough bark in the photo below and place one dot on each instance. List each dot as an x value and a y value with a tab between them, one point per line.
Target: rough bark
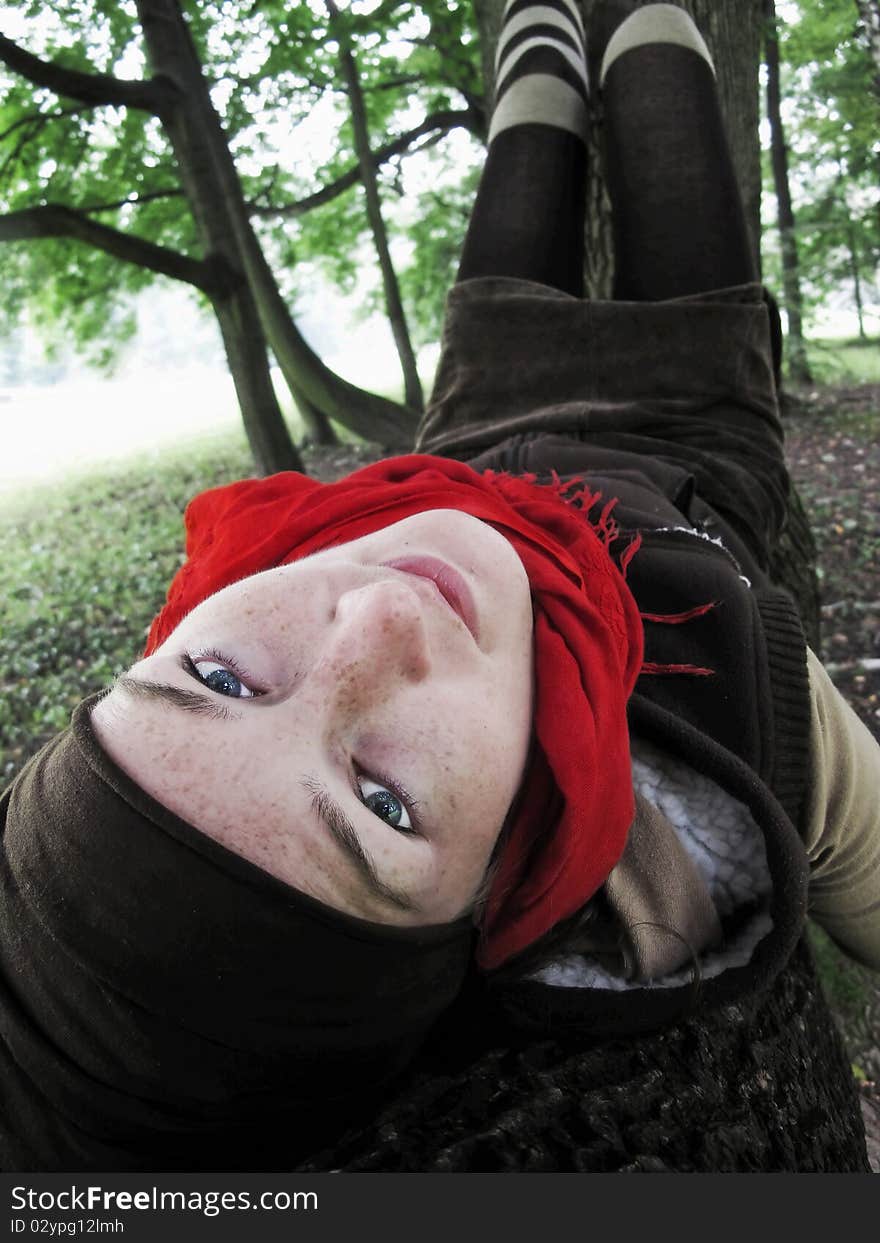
488	14
733	30
791	283
393	302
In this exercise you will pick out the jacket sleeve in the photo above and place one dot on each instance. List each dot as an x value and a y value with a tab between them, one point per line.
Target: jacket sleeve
842	830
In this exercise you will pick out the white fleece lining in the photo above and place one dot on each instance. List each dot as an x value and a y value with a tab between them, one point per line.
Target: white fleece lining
723	839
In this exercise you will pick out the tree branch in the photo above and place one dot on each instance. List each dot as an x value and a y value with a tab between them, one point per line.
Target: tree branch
40	119
56	221
131	201
156	96
14	155
361	129
390	84
436	124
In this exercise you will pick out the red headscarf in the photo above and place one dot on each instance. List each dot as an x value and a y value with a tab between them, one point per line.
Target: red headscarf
576	804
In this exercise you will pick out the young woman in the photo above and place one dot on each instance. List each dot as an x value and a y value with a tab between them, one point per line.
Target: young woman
452	803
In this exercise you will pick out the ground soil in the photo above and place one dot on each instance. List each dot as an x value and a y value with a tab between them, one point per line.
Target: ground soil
833	449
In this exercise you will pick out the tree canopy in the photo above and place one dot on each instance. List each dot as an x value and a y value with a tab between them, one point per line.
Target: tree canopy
271	66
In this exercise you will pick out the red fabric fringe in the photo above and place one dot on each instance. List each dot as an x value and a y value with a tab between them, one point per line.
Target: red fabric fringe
675	619
649	666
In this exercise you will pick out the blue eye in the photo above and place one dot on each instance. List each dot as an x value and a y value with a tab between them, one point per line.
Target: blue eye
385	803
215	672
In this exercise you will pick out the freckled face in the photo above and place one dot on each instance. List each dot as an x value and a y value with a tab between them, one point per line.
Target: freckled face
348	697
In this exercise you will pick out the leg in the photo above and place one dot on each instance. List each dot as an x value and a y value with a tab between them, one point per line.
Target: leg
680	230
678	218
528	218
687	382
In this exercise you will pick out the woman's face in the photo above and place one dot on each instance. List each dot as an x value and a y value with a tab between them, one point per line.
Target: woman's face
347	725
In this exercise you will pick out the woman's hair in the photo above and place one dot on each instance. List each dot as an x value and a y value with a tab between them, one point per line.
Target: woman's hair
592	930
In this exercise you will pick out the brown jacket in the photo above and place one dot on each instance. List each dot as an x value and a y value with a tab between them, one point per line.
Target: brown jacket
656	886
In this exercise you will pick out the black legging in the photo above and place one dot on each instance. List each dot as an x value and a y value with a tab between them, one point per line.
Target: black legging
646	380
679	225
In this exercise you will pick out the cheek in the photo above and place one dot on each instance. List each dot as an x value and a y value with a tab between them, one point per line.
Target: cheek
239	794
478	763
204	779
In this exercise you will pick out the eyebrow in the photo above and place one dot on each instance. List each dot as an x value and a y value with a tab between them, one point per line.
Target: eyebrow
176	696
343	832
323	803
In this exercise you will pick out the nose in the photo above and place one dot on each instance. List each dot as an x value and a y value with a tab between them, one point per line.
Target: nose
378	638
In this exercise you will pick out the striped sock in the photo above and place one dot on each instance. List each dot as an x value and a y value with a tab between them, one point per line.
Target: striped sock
679	225
540	68
654	23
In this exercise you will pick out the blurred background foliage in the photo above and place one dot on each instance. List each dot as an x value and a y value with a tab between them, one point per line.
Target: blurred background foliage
830	80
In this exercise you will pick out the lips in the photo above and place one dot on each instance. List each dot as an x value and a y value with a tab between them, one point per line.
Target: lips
448	582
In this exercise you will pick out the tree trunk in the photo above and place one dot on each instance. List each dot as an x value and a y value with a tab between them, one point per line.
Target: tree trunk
733	30
393	303
313	385
245	346
869	18
488	14
852	245
214	192
797	352
243	338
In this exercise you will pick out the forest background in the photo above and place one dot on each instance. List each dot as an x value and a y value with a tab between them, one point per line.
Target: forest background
227	231
239	180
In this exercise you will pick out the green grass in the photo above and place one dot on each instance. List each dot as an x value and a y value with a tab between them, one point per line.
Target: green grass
86	565
85	568
837	361
852	994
